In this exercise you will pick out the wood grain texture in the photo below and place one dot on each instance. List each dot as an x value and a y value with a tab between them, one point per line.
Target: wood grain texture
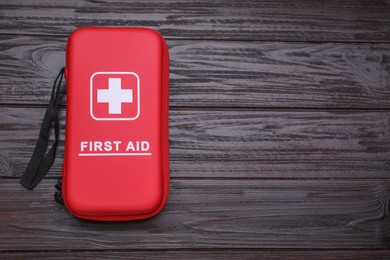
279	130
214	214
225	143
225	74
206	254
282	20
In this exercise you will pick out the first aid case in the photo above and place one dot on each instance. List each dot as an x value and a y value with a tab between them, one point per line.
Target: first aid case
116	159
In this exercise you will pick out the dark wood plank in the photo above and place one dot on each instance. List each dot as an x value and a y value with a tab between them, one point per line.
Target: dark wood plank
206	254
225	74
281	20
214	214
245	182
223	143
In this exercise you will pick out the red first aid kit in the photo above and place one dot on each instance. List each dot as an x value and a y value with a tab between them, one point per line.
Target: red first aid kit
116	162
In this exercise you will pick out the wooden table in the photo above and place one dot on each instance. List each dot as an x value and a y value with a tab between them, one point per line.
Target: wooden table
279	130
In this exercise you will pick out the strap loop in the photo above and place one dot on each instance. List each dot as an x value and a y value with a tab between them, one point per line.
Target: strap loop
40	163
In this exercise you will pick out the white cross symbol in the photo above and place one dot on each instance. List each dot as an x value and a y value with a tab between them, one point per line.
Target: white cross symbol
115	96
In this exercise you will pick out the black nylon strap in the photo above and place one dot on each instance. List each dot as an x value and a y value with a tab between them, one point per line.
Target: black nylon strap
40	163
